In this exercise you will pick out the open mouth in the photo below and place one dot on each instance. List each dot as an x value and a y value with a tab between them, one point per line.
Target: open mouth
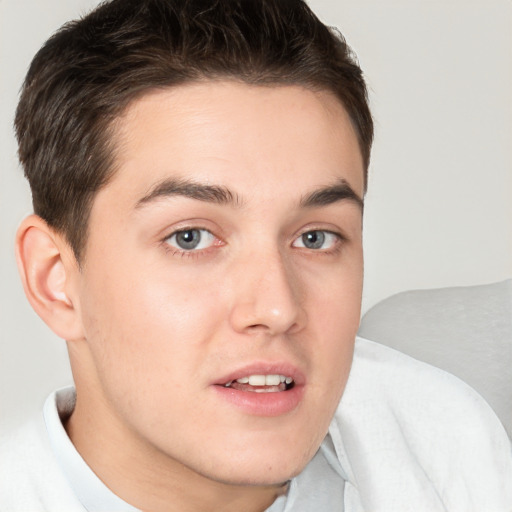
255	392
272	383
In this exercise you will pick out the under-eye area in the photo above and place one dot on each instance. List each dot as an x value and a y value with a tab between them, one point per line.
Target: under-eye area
262	383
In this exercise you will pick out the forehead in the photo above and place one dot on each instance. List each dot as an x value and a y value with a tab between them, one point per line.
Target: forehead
251	138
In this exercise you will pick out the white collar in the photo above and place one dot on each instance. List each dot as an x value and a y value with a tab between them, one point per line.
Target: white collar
92	493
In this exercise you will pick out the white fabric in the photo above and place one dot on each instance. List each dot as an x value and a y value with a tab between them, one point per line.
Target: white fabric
320	487
413	437
465	330
90	491
406	436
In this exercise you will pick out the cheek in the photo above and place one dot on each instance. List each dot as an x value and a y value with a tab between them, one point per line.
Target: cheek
334	314
334	297
137	295
150	326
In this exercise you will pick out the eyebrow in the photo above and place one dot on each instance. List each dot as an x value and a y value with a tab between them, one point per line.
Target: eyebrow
340	191
217	194
181	187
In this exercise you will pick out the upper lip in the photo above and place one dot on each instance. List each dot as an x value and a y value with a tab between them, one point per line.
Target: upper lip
263	368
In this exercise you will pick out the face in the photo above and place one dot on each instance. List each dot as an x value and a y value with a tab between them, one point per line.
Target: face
220	292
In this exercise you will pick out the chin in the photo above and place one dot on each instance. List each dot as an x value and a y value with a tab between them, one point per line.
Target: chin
258	478
255	470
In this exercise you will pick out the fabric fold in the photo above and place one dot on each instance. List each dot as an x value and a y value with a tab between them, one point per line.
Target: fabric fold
408	433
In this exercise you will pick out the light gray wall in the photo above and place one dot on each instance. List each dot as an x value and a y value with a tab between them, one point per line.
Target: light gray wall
439	207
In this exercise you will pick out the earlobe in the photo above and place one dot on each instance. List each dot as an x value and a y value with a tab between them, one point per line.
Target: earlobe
45	268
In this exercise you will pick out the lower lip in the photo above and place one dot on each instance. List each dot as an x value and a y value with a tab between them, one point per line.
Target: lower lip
262	404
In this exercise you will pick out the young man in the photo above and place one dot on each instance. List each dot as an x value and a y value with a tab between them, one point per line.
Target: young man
198	172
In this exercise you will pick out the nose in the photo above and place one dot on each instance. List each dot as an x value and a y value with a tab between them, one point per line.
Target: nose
268	297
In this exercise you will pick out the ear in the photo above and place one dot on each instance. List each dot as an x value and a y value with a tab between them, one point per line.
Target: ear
48	271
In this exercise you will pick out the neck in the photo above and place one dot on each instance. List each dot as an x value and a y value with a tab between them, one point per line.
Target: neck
150	480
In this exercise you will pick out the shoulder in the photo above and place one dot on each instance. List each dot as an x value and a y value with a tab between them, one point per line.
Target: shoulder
30	476
407	432
415	391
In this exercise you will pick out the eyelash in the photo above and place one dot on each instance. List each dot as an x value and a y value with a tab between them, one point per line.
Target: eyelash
175	251
336	239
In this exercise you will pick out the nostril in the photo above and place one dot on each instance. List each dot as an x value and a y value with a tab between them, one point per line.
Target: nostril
256	327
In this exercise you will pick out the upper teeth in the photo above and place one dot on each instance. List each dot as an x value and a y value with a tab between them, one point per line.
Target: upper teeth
265	380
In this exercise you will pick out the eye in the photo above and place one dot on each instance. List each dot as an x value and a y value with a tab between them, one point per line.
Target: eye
317	240
191	239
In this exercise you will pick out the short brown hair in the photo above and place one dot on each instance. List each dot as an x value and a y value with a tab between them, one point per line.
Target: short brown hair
87	73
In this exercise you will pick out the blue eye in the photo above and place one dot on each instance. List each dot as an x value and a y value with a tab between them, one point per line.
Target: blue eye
191	239
316	240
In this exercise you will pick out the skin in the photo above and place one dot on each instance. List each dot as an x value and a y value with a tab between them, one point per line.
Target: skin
151	328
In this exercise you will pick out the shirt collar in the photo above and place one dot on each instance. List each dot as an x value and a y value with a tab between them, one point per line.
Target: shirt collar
92	493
